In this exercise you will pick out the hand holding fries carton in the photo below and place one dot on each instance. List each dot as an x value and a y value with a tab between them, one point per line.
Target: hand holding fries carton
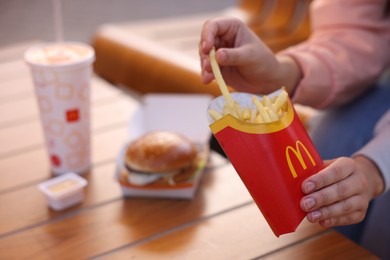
271	158
268	146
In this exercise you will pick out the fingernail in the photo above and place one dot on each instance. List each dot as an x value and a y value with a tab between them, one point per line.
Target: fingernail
309	187
203	45
222	56
309	203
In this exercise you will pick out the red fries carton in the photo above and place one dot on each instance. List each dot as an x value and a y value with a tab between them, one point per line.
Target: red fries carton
272	160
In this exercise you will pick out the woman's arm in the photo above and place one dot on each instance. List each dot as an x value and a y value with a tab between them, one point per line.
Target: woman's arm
339	194
347	51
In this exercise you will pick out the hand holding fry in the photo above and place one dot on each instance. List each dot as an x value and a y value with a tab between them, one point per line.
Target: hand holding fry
253	67
267	110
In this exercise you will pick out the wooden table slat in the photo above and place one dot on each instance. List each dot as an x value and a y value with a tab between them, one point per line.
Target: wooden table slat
239	234
330	245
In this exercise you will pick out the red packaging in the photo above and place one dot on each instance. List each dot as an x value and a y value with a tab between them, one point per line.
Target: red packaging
272	160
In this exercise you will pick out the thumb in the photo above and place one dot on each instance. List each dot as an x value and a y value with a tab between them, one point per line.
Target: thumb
234	56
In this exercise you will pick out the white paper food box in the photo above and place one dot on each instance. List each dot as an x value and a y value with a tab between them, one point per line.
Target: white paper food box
185	114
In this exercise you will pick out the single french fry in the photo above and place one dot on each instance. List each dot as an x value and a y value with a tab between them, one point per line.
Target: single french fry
230	110
246	114
261	110
238	109
281	100
253	114
268	103
226	109
273	116
221	83
258	119
218	77
215	115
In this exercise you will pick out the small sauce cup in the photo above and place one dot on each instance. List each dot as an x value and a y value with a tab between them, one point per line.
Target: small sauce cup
63	191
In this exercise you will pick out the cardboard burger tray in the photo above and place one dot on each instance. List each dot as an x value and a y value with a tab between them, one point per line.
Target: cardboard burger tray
180	113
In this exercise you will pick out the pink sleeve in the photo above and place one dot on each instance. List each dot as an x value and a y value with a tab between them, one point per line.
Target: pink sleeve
347	51
378	150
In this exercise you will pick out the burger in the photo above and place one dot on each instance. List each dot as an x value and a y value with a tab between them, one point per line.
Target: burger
160	158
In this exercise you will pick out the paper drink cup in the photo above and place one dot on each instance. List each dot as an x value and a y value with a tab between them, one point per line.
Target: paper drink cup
272	160
62	72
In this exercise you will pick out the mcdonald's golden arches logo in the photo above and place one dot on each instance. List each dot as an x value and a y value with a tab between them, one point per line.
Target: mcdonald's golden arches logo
297	151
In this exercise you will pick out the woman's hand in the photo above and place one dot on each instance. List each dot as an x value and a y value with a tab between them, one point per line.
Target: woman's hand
246	63
339	194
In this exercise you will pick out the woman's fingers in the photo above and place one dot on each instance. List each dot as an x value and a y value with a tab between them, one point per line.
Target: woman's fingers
331	194
339	194
351	209
334	172
353	218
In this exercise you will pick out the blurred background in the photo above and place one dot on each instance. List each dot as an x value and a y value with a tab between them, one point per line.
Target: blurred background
30	20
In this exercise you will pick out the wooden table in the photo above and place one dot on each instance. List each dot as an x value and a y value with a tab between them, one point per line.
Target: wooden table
221	222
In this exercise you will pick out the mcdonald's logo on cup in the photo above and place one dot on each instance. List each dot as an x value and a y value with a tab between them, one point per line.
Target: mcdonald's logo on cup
297	151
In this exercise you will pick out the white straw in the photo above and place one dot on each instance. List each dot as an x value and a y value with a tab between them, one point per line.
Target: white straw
58	23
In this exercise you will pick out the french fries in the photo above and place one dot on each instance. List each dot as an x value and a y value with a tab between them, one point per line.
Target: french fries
218	77
266	110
